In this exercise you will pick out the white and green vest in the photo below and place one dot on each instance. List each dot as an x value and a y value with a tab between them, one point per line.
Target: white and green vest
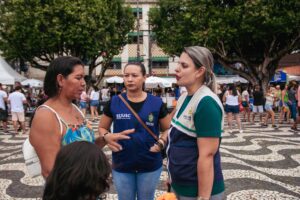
185	122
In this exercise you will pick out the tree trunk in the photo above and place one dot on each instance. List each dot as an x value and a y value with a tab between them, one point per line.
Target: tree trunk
264	84
101	75
90	73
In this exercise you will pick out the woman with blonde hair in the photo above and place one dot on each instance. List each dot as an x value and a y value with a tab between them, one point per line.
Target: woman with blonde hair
195	135
269	108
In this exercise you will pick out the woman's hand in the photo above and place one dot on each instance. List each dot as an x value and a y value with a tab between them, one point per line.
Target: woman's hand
158	146
155	148
112	139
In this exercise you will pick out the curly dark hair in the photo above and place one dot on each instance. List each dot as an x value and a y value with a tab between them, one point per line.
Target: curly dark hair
81	172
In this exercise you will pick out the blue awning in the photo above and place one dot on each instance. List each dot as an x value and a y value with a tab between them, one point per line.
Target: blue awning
279	76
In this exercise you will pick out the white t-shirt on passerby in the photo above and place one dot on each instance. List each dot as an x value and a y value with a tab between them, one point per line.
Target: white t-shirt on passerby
2	96
269	99
16	101
104	94
232	100
95	95
83	97
245	95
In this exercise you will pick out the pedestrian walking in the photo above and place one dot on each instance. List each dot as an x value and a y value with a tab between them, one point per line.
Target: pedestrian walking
270	100
3	110
84	98
292	103
232	100
285	111
258	104
246	103
94	102
17	100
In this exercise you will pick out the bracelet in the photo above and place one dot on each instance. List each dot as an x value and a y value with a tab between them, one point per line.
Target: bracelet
104	136
160	144
165	142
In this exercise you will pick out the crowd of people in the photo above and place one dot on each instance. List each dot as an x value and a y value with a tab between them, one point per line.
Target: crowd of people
19	102
70	154
142	127
246	101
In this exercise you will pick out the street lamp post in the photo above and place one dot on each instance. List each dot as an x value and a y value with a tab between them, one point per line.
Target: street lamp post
138	31
149	49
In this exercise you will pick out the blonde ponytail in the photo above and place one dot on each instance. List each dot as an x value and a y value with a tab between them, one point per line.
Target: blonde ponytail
201	56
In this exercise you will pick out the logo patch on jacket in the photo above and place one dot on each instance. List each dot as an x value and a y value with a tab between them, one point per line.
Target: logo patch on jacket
150	120
189	115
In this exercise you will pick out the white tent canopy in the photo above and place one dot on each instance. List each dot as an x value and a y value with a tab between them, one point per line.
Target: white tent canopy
32	83
114	79
293	78
154	82
230	79
8	76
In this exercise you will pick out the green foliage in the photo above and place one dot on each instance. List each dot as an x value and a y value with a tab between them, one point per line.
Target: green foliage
42	29
253	32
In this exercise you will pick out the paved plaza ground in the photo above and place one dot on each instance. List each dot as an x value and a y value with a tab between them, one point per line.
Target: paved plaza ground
261	163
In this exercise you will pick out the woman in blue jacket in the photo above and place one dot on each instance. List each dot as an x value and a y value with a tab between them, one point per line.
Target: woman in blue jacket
136	170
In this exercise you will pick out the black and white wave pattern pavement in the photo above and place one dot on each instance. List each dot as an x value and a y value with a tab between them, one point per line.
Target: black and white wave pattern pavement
261	163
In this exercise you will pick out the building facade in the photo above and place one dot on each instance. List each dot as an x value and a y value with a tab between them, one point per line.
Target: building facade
141	46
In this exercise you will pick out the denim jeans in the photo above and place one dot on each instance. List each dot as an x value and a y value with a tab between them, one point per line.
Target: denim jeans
132	186
293	109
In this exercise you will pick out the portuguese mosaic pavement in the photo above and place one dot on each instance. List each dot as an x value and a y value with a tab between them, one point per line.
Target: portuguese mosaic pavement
261	163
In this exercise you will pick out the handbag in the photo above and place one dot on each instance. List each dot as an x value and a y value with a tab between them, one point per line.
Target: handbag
32	161
163	151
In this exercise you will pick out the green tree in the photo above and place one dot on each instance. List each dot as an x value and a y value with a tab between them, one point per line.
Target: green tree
253	33
40	30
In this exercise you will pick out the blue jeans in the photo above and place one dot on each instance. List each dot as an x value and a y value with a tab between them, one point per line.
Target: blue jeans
293	109
132	186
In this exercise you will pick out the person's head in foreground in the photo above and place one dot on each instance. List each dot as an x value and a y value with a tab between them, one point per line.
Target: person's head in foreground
80	172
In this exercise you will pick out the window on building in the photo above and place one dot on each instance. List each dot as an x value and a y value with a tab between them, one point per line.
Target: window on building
160	64
137	11
115	63
160	61
133	38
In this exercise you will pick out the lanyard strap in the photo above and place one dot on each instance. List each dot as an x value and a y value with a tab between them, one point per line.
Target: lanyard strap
138	118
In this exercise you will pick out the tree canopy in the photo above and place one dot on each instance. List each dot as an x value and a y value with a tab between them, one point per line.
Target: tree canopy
39	30
253	33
